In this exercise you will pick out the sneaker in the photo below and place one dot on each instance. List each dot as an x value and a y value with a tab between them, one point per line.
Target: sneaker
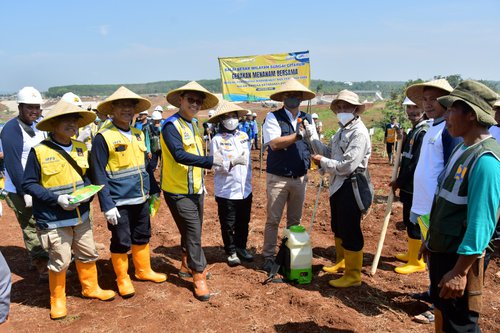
268	265
233	260
244	254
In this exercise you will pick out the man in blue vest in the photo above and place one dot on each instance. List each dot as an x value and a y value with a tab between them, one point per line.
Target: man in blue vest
464	209
288	160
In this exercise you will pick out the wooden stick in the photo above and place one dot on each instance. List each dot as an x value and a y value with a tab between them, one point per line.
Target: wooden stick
388	210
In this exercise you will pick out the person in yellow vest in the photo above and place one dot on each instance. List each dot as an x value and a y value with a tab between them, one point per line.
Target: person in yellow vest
182	177
118	161
56	167
390	137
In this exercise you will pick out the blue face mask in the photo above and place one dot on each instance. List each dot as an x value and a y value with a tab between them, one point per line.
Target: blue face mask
292	102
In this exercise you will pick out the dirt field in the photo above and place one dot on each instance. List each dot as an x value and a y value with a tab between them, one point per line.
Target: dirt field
241	303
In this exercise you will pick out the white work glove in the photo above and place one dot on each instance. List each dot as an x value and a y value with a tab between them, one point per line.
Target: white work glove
112	216
240	160
28	200
64	201
218	159
310	131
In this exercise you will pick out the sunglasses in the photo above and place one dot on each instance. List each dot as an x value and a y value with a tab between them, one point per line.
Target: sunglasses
192	100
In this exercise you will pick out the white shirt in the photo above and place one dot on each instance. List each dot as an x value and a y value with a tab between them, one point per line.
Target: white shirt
430	165
272	130
495	132
28	143
237	182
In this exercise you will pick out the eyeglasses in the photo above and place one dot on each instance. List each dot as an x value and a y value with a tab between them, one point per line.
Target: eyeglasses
194	101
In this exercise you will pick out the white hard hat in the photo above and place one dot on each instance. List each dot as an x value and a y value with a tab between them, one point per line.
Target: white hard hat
72	98
314	116
254	114
159	108
249	113
408	101
211	113
29	95
144	112
156	115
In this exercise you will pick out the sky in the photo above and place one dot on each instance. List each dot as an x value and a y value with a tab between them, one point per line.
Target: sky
53	43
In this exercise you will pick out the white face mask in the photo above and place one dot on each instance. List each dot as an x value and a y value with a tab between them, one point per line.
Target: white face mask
344	118
230	123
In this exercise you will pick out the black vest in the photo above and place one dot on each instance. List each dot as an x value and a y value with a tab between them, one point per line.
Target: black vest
295	160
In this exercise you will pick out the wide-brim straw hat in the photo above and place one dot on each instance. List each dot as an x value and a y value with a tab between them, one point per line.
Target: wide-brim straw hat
210	101
63	108
292	85
478	96
226	107
497	104
123	93
349	97
415	92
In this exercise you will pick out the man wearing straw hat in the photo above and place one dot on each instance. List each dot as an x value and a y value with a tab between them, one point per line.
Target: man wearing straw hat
55	169
343	159
468	190
288	160
118	162
18	136
182	177
404	182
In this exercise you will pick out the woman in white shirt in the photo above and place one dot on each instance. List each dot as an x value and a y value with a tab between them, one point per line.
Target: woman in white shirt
232	181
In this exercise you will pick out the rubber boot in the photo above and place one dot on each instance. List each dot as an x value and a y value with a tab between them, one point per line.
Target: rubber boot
185	271
352	275
142	263
200	286
87	273
57	286
120	265
340	261
403	256
414	264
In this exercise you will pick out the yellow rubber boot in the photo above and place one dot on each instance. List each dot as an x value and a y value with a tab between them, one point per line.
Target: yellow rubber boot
414	265
403	256
57	286
120	265
352	275
339	262
142	263
87	273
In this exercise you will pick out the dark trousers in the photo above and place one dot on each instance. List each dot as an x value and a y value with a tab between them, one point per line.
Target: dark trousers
234	217
456	314
412	229
346	218
133	227
187	211
256	142
389	148
153	162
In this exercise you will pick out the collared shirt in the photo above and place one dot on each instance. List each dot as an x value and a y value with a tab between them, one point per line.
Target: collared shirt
272	130
349	149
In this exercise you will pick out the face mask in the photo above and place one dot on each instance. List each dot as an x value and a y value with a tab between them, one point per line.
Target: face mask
230	123
292	102
344	118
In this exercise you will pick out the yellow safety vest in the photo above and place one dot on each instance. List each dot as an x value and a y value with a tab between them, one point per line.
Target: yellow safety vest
178	178
126	170
59	177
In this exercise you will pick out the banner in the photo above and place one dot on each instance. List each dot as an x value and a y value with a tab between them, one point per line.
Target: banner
255	78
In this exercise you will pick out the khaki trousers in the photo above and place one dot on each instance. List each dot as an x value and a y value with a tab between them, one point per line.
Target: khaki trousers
282	191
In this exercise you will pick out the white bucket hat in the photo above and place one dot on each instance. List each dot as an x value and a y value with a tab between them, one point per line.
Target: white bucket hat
349	97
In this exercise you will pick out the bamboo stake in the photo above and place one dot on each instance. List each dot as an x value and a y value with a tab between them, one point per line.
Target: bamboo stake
388	210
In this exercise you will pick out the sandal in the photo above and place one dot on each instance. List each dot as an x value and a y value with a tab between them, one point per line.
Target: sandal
426	317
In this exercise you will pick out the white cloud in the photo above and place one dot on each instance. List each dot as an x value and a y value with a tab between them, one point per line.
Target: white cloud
104	30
